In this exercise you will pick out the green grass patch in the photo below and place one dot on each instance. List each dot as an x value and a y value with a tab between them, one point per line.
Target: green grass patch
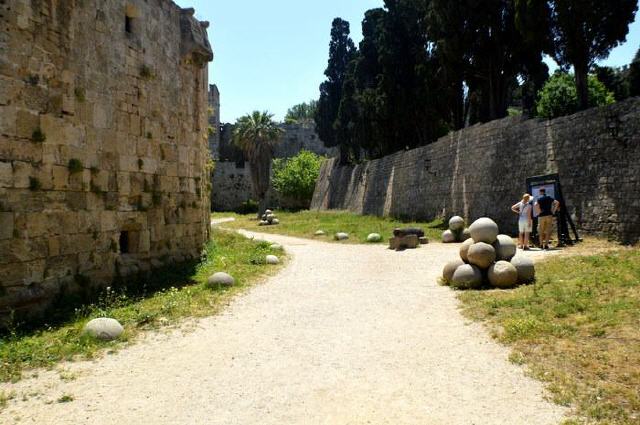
184	297
578	329
305	223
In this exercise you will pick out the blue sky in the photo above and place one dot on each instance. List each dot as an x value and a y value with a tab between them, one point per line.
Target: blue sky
271	55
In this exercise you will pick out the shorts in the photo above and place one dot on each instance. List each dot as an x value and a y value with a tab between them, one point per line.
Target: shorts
524	226
545	224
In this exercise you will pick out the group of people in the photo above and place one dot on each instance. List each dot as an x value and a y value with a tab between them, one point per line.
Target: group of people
544	208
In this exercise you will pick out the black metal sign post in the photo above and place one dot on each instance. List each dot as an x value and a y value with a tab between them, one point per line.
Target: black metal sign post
551	183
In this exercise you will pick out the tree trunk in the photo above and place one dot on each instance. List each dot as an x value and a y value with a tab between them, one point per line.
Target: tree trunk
262	206
582	86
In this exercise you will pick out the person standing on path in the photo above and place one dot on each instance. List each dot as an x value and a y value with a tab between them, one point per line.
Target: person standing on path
524	209
545	209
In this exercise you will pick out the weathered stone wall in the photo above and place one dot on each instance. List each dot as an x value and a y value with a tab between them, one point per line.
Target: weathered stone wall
214	122
481	171
232	177
103	123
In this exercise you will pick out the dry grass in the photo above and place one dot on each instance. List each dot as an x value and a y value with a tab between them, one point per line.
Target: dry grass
577	328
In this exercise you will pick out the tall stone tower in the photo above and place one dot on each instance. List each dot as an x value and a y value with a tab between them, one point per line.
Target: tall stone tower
103	144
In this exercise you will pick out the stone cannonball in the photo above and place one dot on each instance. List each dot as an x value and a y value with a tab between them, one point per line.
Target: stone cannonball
505	247
503	275
374	237
456	223
466	234
267	212
449	269
526	269
275	221
464	250
484	230
103	328
319	233
341	236
448	236
272	259
481	254
220	279
467	276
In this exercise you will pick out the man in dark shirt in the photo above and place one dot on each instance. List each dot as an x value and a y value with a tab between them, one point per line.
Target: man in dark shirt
545	208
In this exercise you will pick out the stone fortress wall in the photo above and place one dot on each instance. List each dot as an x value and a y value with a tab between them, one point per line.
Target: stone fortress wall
231	180
481	171
103	147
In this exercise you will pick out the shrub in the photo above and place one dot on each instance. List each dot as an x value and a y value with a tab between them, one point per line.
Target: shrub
296	177
248	207
559	96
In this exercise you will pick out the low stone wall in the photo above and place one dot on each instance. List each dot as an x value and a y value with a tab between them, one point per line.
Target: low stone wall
481	171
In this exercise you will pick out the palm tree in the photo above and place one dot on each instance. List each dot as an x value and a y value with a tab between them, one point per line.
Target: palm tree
256	134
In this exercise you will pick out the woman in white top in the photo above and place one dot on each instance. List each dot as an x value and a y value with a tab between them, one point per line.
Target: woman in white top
524	209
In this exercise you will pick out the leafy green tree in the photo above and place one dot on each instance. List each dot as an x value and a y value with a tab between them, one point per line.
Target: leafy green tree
585	31
302	112
341	53
614	79
559	95
634	76
256	134
296	177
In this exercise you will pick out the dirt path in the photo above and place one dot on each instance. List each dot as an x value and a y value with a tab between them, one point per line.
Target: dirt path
346	334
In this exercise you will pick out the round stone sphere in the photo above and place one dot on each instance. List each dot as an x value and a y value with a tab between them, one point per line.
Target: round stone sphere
267	212
526	269
319	233
484	230
505	248
467	276
464	250
374	237
465	235
449	270
263	223
104	329
220	279
341	236
275	221
503	275
448	236
481	254
272	259
456	223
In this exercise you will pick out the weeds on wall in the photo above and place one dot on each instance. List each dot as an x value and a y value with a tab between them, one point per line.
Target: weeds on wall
38	136
75	166
34	183
80	94
146	72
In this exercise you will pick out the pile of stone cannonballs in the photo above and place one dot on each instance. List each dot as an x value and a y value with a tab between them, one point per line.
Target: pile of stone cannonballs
488	259
268	219
457	232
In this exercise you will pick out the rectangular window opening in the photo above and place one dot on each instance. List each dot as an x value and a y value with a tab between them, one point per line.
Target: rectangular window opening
128	24
124	242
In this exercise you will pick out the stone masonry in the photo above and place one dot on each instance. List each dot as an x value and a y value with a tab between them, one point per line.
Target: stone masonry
231	176
103	144
481	171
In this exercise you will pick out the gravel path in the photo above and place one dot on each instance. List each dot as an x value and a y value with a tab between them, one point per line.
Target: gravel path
346	334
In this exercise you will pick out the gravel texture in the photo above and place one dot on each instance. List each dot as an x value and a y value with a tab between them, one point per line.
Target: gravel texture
346	334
